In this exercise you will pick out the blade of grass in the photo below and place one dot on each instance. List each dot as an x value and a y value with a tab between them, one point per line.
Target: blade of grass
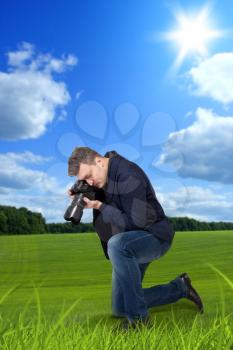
9	292
60	320
229	282
38	317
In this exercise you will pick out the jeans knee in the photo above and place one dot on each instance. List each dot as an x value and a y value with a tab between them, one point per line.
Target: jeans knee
114	244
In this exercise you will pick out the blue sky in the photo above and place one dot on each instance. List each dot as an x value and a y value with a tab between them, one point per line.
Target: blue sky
102	74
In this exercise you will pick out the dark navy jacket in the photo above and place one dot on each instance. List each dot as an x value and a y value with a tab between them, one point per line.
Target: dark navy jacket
130	203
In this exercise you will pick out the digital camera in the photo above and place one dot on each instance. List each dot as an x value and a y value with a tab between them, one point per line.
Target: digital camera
79	190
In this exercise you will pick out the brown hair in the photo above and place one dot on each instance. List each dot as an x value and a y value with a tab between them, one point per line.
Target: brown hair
79	155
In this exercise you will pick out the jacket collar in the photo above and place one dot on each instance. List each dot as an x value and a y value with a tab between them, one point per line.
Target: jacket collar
114	160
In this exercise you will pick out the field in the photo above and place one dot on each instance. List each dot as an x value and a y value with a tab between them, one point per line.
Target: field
55	293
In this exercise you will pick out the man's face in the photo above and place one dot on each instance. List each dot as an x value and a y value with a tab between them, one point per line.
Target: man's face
94	175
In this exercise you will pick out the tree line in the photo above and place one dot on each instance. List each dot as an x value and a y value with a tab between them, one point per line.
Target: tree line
15	221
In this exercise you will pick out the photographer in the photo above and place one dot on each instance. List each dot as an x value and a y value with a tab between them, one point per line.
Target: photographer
133	230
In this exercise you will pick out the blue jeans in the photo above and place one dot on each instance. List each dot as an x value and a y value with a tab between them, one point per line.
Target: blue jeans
130	254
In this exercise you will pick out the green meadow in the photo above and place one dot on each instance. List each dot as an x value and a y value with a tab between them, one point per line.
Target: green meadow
55	293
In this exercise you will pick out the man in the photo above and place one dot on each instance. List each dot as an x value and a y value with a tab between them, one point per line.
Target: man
133	230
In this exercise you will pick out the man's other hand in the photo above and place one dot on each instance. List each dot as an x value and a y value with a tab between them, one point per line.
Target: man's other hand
91	204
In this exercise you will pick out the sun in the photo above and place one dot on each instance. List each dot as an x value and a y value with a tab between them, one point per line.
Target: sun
192	35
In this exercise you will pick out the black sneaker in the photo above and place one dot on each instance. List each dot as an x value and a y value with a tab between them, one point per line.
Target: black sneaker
191	292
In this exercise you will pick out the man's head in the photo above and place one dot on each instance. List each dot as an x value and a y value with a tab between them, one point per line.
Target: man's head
89	165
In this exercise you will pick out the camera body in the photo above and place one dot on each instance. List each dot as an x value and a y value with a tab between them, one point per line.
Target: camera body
79	190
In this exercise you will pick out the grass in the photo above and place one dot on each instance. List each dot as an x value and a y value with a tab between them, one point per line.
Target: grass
55	293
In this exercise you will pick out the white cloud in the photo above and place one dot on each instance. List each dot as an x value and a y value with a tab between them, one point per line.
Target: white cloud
14	175
51	206
29	93
18	58
25	157
205	148
21	186
200	203
213	77
192	201
78	94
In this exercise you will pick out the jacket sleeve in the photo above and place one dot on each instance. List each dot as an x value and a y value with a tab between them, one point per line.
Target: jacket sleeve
133	211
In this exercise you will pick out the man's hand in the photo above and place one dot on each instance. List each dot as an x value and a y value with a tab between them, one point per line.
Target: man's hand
91	204
70	193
